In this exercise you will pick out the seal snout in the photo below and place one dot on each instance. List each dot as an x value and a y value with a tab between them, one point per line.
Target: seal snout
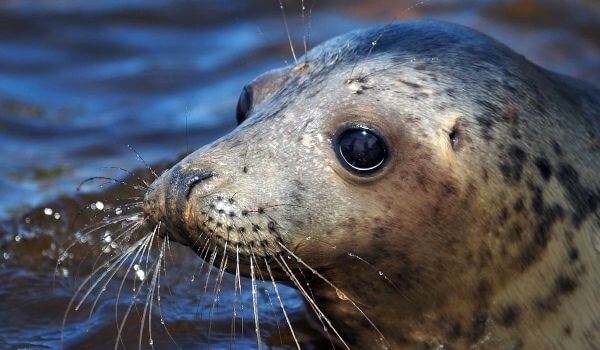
168	199
152	202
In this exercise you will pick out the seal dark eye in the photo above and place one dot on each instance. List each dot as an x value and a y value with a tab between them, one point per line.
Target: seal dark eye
361	150
244	104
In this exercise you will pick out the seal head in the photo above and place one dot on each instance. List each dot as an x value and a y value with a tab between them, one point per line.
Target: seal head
429	176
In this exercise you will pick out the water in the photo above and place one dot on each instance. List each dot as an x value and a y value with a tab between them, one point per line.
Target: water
80	80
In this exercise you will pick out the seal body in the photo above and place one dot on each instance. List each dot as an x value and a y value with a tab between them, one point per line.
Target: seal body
480	229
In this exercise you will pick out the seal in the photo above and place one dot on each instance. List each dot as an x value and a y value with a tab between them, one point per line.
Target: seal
436	188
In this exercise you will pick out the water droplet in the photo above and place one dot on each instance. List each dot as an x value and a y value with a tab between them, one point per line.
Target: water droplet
118	211
151	342
18	238
136	267
380	273
57	216
99	205
48	211
141	274
308	238
6	255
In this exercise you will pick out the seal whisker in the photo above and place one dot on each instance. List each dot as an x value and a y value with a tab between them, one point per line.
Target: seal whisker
304	39
146	185
164	264
158	300
143	161
235	291
315	272
287	319
260	275
89	278
150	300
350	254
201	263
84	208
381	34
255	304
272	307
108	180
136	259
371	266
137	290
131	265
313	297
217	287
289	205
113	267
103	223
239	283
281	261
287	30
109	219
208	273
204	260
122	233
66	251
115	270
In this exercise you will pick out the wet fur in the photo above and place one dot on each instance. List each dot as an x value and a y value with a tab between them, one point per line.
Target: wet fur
482	224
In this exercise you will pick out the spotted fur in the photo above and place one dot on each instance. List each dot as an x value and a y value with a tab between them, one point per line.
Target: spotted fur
482	223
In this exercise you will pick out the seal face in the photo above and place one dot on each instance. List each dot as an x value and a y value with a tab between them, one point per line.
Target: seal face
442	190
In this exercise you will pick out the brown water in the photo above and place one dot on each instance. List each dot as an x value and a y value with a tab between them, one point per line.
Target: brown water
80	80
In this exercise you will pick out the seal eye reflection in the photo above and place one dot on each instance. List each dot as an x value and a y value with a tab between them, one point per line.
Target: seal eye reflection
361	150
244	104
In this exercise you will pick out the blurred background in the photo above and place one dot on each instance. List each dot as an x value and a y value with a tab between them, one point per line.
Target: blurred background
81	79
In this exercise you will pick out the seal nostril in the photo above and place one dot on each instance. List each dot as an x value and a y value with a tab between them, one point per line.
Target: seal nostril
195	180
